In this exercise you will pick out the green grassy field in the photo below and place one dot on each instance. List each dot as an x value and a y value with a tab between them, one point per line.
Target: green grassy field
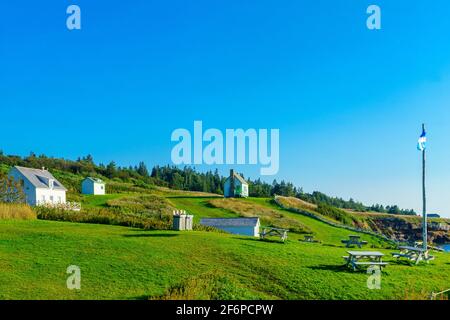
126	263
90	201
200	208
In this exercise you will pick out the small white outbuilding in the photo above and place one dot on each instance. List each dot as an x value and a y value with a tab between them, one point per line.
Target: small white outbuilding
242	226
93	186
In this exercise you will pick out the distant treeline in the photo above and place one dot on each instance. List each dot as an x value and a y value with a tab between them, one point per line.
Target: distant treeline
82	166
186	178
319	198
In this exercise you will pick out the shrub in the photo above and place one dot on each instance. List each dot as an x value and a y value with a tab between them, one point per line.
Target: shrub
16	211
150	205
209	286
120	187
104	216
335	214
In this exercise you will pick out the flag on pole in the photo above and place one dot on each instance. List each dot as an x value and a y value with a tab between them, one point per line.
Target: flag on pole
422	141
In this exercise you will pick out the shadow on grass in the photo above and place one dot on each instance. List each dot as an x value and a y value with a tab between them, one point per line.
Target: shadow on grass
259	240
151	235
141	298
332	245
332	267
194	197
402	263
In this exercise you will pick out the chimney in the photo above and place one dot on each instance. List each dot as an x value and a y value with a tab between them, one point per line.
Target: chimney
232	183
43	168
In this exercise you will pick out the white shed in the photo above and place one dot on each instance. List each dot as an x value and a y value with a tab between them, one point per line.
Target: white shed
39	186
235	186
242	226
93	186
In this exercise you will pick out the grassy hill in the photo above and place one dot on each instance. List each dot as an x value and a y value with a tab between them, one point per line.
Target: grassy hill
126	250
399	227
126	263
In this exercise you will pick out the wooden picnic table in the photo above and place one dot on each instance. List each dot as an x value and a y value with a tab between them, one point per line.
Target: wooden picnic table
269	231
357	259
413	254
309	238
354	240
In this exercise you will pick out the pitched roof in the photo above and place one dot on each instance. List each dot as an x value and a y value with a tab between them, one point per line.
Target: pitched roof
96	180
38	178
230	222
238	176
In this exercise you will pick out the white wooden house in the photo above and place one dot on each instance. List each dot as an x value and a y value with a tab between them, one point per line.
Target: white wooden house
235	186
242	226
39	186
93	186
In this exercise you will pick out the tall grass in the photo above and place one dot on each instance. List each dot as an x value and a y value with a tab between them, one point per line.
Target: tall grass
326	211
149	205
105	216
16	211
268	216
209	286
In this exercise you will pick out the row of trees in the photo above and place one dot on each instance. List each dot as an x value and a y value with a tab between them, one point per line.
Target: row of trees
319	198
82	166
187	178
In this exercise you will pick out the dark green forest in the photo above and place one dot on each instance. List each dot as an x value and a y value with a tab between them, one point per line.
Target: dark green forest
186	178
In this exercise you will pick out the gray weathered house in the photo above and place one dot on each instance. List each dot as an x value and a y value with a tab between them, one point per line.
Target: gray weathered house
235	186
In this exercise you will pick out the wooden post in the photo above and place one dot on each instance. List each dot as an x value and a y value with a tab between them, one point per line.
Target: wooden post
424	200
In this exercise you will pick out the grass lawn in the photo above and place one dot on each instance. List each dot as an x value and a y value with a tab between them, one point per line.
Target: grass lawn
322	231
200	208
90	201
125	263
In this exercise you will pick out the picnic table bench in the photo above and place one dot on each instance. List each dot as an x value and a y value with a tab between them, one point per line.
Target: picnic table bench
268	231
419	244
413	254
357	259
354	240
309	238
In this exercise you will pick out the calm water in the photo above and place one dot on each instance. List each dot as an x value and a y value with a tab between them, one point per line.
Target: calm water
446	247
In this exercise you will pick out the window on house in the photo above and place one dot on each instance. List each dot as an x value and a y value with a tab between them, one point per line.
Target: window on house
51	199
43	198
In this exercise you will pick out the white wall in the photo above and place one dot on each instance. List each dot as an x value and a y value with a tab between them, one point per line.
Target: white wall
241	230
28	188
50	196
90	187
237	183
245	190
99	188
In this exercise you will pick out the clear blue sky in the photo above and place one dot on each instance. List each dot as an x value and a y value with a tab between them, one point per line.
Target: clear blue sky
349	102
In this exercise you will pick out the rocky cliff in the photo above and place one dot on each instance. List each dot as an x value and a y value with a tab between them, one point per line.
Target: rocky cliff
409	228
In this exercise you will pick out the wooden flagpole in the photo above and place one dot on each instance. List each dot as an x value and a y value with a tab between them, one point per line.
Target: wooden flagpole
424	200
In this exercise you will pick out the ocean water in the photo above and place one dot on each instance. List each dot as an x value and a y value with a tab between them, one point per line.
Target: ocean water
446	247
